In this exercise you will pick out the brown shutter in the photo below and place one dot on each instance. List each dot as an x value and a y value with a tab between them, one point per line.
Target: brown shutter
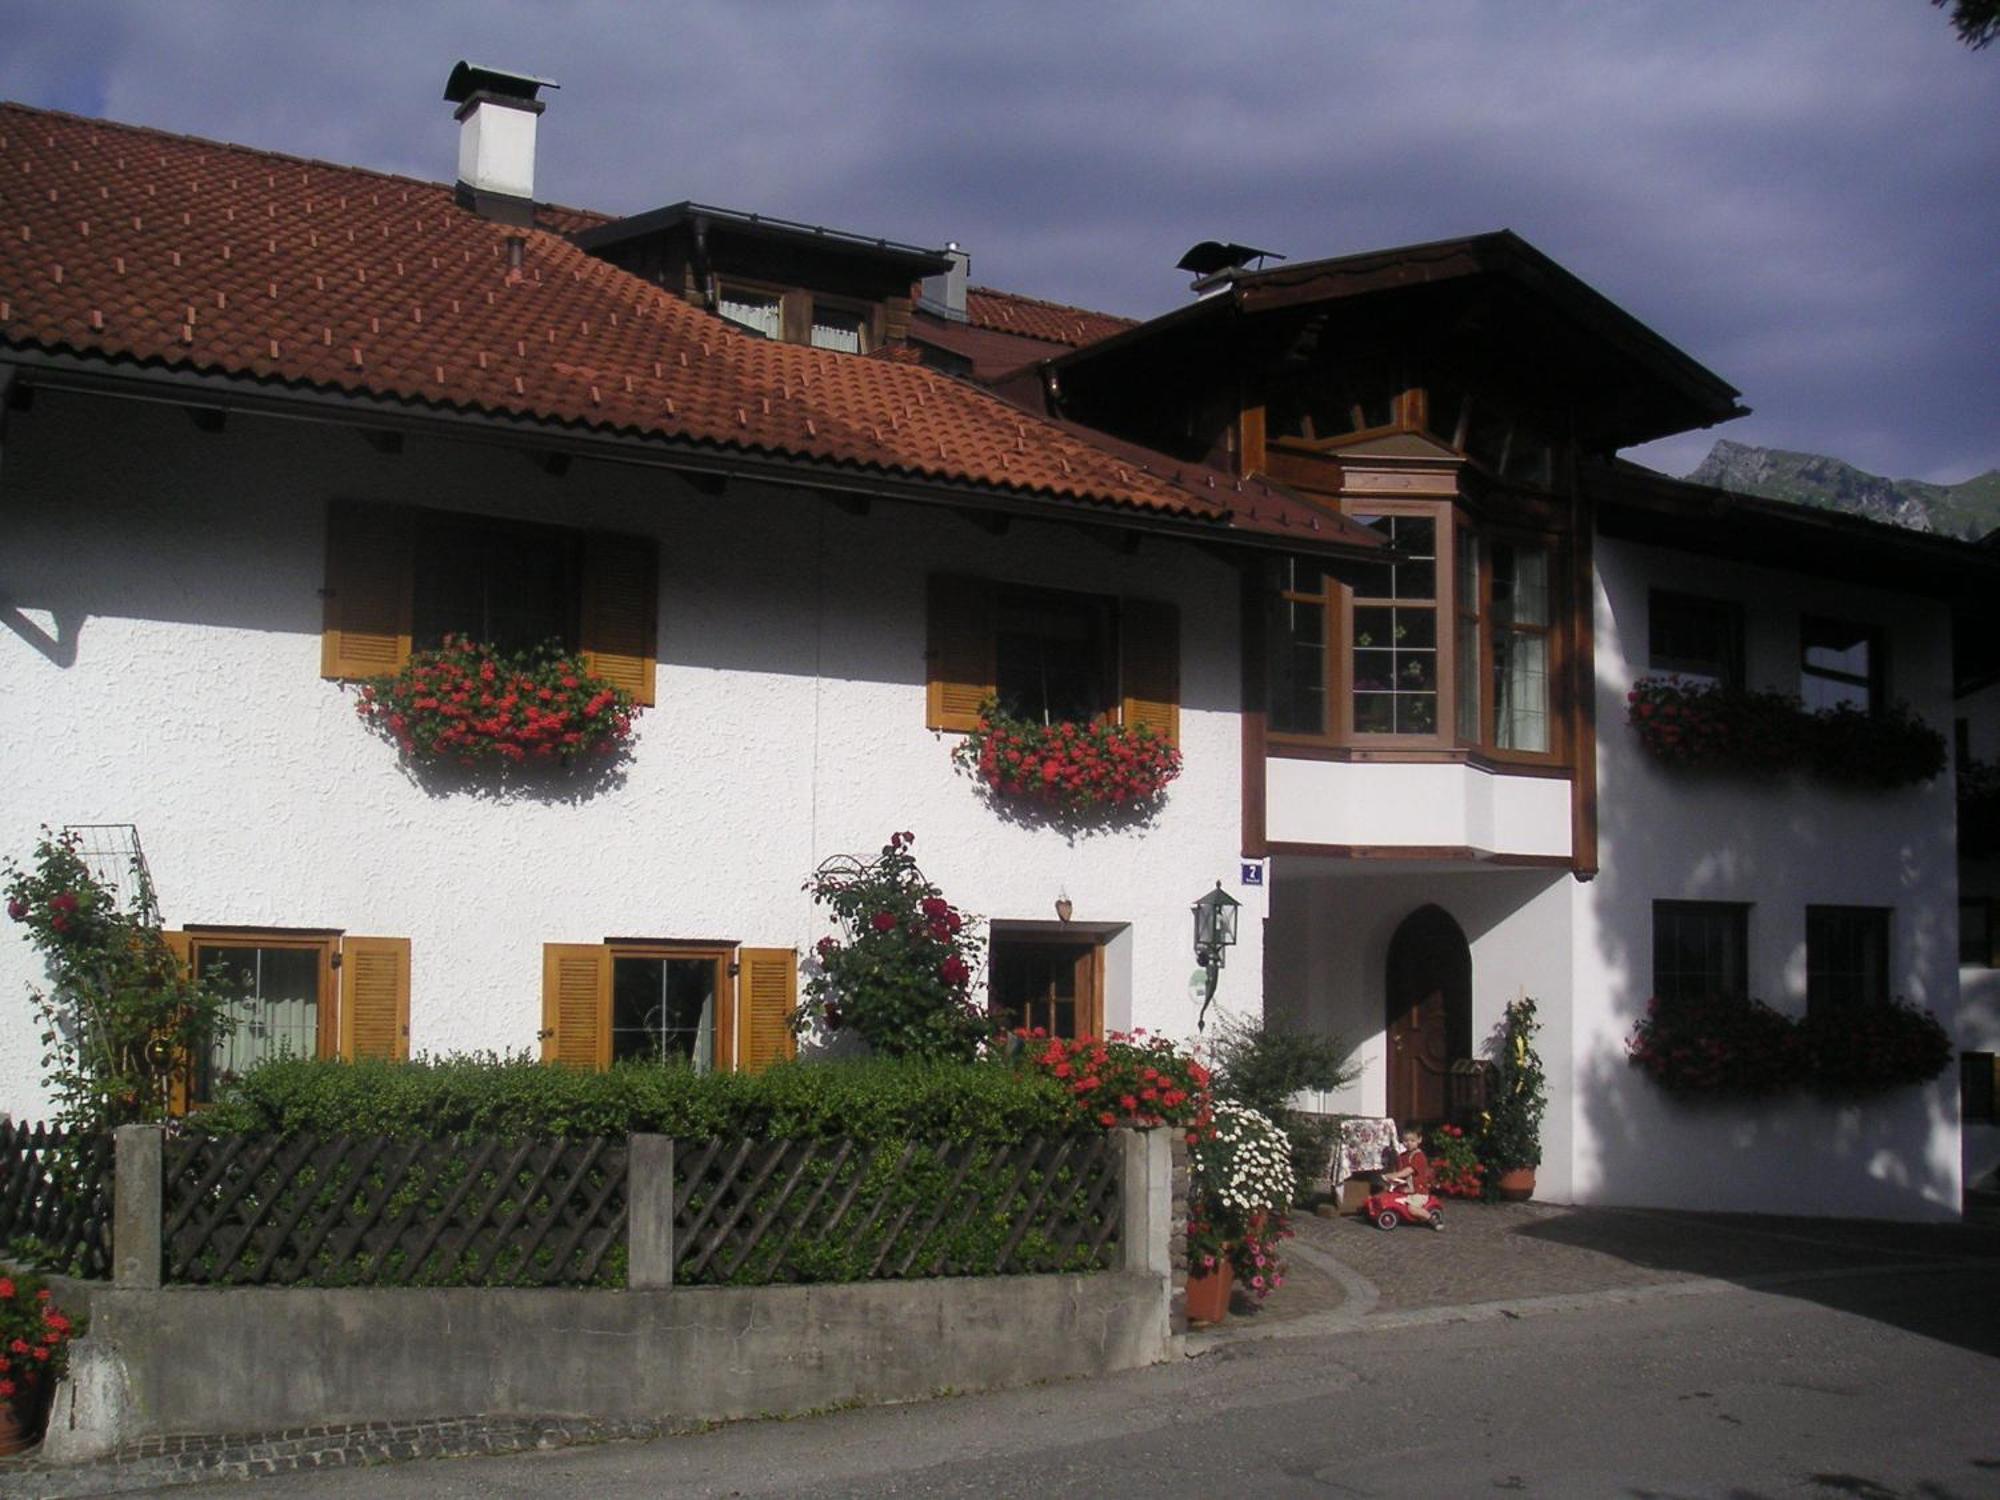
367	606
375	998
179	1083
1149	666
770	993
959	657
576	1005
621	611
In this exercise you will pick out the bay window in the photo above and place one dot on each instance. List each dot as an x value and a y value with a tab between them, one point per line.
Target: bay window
1456	642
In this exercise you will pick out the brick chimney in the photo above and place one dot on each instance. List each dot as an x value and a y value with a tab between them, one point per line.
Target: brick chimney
496	118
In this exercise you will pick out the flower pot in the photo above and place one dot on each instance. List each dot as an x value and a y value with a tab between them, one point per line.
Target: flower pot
15	1435
1208	1294
1515	1185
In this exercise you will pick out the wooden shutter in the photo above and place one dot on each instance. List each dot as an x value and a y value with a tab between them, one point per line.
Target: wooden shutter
375	998
769	994
959	656
366	631
1149	666
576	1005
621	611
180	1084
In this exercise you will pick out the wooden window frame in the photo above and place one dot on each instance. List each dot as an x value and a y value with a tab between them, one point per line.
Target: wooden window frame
1452	743
1089	972
1737	912
370	577
721	954
1327	601
740	1028
1881	917
341	956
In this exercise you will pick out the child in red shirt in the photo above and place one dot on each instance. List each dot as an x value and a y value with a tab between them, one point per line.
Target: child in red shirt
1412	1176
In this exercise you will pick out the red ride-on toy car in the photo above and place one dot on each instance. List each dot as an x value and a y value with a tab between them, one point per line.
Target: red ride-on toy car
1391	1207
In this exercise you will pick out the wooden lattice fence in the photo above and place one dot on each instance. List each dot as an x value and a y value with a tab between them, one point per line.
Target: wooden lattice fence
55	1191
753	1212
354	1210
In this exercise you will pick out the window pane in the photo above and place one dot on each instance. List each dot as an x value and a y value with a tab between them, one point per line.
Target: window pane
1034	984
663	1010
1975	932
1700	950
510	585
1052	655
1520	584
753	313
1467	665
1836	669
1695	638
1847	958
274	999
1298	668
834	328
1520	691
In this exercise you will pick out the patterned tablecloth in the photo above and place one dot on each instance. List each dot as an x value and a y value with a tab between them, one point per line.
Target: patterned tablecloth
1364	1146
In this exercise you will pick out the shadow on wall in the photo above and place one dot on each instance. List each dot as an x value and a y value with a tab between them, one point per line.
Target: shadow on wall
1778	845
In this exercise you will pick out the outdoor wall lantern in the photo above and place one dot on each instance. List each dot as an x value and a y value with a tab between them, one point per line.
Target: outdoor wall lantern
1214	936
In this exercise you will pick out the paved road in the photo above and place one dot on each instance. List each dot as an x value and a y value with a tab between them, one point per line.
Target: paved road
1868	1383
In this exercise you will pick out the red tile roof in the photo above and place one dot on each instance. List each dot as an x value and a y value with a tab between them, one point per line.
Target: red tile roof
1048	322
133	245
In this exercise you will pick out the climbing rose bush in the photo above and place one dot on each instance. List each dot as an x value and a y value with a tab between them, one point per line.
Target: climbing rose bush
901	970
467	704
1069	767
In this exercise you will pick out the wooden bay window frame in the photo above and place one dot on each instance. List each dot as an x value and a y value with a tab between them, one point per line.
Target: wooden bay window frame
1466	621
370	596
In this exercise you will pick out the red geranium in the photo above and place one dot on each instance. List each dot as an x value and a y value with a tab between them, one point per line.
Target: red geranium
1069	766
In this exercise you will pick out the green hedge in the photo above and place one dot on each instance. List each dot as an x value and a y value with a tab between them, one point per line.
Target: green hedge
872	1100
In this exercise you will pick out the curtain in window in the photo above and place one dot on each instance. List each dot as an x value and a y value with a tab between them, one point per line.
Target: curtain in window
1520	647
274	995
836	330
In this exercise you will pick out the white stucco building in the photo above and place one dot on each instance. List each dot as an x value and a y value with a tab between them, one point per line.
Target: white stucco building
1350	532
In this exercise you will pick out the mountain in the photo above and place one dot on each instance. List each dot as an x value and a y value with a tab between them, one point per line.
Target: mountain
1967	509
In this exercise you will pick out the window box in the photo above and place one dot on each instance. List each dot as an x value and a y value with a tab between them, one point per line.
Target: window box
1700	726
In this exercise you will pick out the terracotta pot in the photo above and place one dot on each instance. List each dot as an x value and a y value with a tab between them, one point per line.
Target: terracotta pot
1208	1295
1516	1185
14	1434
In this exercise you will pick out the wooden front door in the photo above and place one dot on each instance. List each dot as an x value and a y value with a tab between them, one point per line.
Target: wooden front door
1428	1016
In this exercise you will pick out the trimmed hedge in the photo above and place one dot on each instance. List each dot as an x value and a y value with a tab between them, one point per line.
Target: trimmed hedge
869	1100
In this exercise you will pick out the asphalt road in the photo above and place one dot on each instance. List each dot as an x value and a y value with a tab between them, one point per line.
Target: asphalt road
1866	1385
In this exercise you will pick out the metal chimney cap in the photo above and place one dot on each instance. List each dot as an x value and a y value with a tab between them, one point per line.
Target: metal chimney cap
1211	256
469	78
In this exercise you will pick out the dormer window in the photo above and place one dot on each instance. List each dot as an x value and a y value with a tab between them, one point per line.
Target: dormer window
753	312
839	328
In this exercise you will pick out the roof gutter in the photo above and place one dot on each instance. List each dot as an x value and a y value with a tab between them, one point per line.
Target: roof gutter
227	394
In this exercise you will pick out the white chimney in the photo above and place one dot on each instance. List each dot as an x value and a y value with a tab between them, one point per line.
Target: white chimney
944	293
496	118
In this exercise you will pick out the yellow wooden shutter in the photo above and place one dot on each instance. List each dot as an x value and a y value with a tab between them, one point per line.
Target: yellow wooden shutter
621	611
576	1005
960	670
366	631
769	993
180	1082
375	998
1149	666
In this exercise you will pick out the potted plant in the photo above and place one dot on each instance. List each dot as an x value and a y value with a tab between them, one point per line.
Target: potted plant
1241	1188
1510	1137
34	1348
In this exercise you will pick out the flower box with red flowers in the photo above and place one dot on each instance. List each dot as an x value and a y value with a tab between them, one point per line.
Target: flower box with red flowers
1700	726
1067	766
1716	1048
467	704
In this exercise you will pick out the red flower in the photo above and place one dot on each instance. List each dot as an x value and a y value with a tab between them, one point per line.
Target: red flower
954	970
883	921
18	909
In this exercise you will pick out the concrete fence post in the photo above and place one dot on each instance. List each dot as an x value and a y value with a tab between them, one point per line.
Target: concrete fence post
649	1212
1148	1187
136	1207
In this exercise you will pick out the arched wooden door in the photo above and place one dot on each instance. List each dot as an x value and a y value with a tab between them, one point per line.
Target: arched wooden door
1428	1017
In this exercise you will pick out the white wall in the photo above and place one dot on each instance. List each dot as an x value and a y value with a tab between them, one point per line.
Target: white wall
1454	806
1780	846
162	668
1331	925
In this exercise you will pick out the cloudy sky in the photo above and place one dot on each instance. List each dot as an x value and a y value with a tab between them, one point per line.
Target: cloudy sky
1800	193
